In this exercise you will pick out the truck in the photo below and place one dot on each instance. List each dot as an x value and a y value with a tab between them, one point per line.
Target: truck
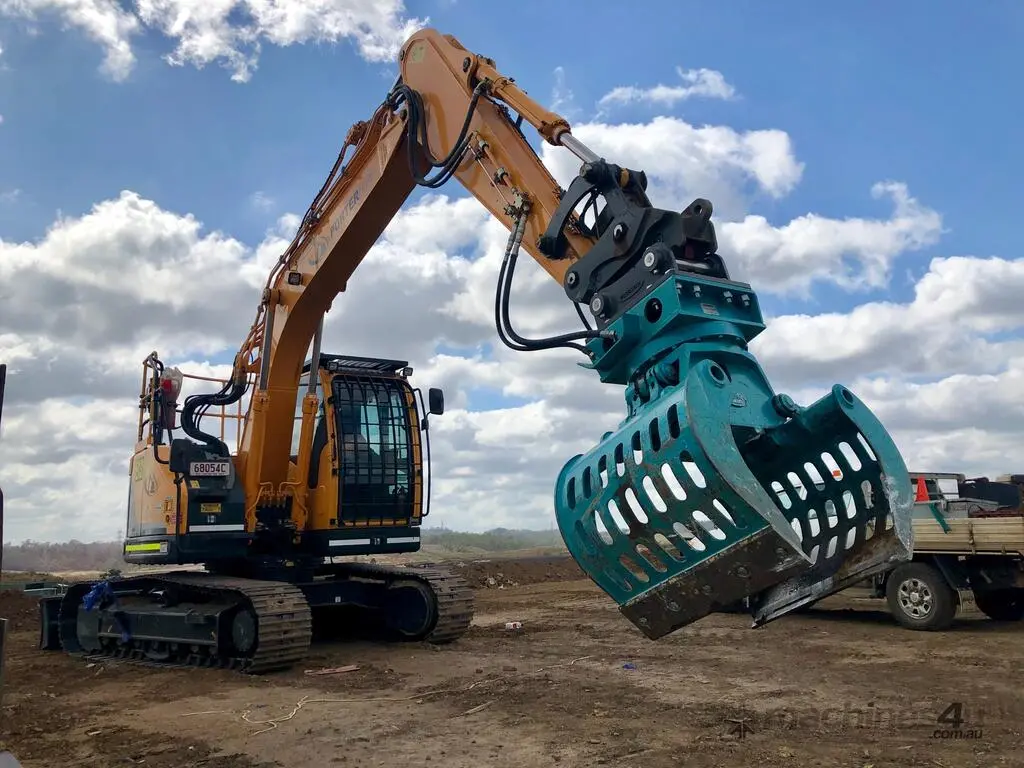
968	552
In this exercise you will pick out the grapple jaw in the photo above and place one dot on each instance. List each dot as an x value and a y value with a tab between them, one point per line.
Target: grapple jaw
855	522
714	488
709	495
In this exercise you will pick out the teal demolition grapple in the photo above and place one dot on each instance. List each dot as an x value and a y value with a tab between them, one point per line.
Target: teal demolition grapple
714	488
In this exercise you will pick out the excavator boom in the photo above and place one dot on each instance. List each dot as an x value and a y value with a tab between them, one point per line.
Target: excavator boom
449	103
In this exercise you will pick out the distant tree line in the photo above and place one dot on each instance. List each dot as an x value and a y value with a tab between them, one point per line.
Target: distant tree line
46	557
494	540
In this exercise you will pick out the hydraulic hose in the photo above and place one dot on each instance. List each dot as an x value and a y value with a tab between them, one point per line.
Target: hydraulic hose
229	394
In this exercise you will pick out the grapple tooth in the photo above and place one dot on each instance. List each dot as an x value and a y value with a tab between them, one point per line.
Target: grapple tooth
676	515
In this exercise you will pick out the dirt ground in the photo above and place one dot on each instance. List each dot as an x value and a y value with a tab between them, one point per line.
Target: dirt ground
840	685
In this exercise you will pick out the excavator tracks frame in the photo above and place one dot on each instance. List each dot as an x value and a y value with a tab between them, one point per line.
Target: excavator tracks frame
282	612
289	621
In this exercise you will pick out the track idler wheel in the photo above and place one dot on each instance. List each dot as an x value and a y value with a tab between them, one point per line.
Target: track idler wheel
411	609
244	631
716	489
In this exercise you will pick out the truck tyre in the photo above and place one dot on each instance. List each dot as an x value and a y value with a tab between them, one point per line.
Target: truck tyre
1001	604
919	597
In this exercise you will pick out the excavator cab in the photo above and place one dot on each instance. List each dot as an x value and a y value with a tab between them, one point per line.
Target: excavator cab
369	471
368	477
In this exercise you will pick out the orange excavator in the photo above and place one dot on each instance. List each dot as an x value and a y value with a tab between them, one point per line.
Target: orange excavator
700	497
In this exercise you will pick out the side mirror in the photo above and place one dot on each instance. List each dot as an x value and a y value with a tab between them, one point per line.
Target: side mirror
435	401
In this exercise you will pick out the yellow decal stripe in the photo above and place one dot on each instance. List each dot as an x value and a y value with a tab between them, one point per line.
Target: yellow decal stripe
153	546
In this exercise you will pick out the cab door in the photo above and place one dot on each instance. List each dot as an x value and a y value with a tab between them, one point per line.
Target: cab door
375	457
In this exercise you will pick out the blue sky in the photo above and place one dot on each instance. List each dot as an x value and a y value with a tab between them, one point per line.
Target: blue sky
920	92
924	94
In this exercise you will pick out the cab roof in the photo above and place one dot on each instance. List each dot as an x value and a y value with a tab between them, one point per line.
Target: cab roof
354	364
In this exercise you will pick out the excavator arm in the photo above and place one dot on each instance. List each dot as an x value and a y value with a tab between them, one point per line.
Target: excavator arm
714	488
445	112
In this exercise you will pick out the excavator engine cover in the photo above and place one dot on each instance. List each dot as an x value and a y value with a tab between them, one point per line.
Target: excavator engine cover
715	489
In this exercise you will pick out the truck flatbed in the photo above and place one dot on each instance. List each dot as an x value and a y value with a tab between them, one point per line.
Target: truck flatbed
973	536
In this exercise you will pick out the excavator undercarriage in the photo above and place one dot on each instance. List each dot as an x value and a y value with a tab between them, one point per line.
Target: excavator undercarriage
190	618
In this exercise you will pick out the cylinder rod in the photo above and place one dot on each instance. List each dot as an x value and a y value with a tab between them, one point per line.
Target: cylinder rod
578	148
314	359
268	339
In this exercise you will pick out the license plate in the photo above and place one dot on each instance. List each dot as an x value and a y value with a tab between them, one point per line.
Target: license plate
210	468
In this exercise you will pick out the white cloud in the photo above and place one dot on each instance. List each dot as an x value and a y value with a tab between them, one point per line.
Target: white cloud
97	292
958	304
683	161
261	201
563	100
229	32
853	252
696	83
105	22
560	93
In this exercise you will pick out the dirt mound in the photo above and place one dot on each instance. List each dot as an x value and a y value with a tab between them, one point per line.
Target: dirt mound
20	610
498	573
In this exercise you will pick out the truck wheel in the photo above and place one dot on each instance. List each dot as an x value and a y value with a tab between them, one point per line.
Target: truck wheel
919	597
1001	604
